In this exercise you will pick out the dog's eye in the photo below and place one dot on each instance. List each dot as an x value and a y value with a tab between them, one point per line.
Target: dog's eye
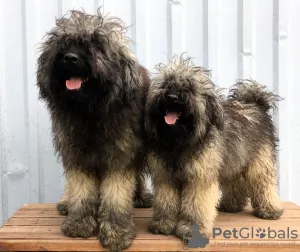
99	43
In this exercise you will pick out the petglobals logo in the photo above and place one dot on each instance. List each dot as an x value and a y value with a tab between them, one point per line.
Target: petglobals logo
250	233
241	234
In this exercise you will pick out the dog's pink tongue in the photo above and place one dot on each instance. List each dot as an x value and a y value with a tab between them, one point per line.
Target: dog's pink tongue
171	117
74	83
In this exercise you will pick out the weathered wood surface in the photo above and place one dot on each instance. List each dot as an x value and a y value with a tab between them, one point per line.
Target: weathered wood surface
36	227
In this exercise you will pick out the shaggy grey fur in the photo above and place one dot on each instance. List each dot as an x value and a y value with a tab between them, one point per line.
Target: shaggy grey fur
213	143
98	128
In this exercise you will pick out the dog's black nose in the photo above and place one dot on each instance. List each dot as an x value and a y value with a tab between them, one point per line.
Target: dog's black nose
71	58
173	97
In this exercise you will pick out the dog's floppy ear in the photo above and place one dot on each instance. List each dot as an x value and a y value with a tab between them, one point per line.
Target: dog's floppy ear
215	110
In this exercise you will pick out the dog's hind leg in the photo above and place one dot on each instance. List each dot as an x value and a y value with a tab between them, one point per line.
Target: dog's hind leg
261	181
143	198
82	204
234	195
62	205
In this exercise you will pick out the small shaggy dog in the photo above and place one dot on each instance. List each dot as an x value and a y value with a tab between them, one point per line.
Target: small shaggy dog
95	90
200	142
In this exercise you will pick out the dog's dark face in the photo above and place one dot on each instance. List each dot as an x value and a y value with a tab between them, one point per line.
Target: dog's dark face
83	61
72	74
181	105
170	112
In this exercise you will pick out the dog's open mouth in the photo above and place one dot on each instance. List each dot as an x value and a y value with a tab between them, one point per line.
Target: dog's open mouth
75	83
171	117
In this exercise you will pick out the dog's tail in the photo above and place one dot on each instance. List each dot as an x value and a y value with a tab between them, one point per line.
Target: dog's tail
249	91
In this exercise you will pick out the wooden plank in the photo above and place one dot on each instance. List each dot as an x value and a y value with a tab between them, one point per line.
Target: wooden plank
141	225
38	213
55	214
52	206
138	245
50	211
35	221
38	206
54	232
291	205
37	228
221	220
288	214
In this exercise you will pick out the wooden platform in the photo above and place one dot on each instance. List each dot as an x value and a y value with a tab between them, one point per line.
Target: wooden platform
37	228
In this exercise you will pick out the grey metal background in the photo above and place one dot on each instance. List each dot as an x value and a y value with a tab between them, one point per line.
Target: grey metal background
233	38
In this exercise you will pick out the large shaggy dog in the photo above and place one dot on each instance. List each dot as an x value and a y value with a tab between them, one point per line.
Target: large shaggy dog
95	91
200	142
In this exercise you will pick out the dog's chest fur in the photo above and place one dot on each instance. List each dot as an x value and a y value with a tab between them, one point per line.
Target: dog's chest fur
96	144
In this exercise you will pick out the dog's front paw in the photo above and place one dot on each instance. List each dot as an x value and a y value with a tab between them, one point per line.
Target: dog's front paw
230	208
62	208
143	200
162	226
184	230
116	237
79	226
269	213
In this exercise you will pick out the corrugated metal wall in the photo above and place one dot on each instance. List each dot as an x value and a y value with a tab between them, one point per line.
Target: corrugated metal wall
233	38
